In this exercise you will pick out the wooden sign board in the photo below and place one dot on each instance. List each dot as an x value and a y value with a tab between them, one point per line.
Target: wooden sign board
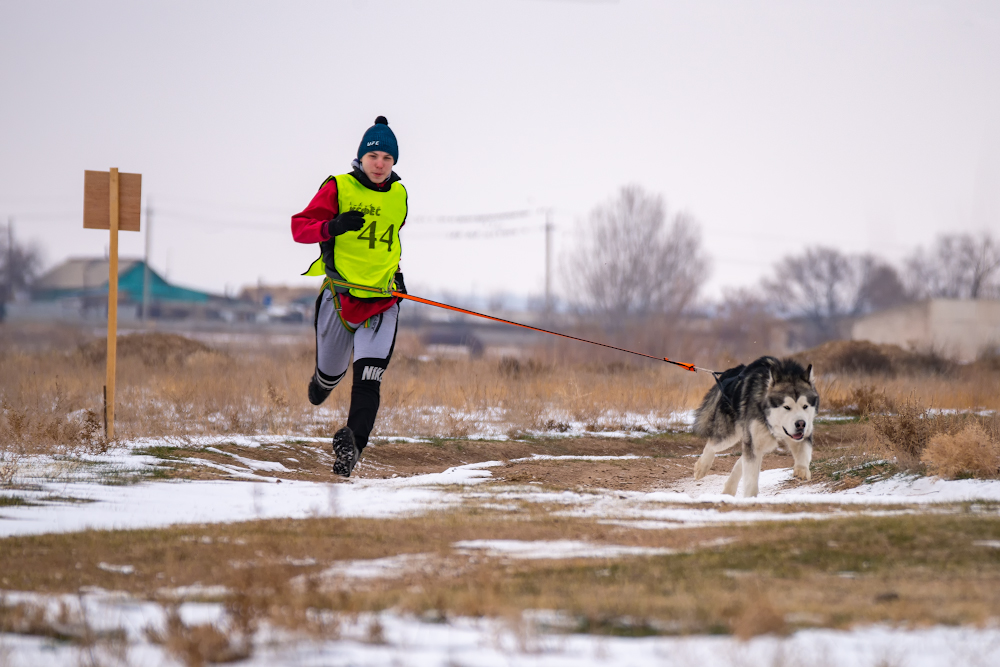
97	193
111	200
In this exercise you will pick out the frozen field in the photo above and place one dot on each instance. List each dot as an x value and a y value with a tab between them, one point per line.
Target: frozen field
225	480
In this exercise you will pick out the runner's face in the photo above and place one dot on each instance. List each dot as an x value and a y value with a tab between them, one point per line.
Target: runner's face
377	165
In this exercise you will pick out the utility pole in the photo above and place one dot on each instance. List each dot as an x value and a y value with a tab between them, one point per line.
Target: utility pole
145	268
10	259
548	262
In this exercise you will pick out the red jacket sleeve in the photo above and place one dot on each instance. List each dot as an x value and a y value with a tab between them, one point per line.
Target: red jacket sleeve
309	226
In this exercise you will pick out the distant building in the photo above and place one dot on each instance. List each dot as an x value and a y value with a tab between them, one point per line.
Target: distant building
282	303
960	328
79	287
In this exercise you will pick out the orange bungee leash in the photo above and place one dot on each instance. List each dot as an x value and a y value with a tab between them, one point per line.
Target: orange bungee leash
437	304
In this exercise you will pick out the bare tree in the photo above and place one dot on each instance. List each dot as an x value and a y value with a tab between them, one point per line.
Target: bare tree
630	262
824	286
745	326
879	285
958	266
19	265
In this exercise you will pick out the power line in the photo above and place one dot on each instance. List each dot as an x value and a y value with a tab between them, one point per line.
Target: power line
185	217
476	217
269	211
49	216
9	296
493	233
146	278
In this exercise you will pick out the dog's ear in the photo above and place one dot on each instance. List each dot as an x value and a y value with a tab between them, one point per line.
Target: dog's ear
770	380
809	374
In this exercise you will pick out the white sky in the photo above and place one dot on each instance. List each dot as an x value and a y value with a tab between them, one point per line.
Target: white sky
871	126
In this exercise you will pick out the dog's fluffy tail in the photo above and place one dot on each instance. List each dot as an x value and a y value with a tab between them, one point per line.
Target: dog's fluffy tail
711	409
705	414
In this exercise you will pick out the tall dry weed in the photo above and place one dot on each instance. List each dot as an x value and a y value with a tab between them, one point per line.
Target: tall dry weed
67	623
902	435
972	452
989	359
10	463
905	434
201	644
756	616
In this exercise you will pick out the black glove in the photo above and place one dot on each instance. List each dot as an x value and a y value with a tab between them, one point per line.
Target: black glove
400	285
350	221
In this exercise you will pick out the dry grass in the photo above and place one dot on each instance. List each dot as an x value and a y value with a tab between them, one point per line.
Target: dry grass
771	578
973	388
51	401
859	377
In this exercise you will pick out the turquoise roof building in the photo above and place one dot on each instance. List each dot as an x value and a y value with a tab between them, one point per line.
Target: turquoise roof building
87	279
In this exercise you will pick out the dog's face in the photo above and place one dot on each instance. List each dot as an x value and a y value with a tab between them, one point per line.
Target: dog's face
792	403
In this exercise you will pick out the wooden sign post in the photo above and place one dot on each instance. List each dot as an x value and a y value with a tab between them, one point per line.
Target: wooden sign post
111	201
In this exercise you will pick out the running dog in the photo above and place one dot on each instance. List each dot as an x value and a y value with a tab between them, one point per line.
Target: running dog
770	402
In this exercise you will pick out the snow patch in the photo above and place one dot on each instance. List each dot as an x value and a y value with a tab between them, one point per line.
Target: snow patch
117	569
492	643
193	592
571	457
554	549
992	544
253	464
391	567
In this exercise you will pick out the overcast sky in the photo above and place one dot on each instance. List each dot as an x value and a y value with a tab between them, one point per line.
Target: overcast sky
870	126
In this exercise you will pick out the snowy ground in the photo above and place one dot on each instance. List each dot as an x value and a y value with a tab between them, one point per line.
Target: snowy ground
62	495
68	498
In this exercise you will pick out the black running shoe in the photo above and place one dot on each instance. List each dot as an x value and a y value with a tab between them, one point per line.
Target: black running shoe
345	451
316	393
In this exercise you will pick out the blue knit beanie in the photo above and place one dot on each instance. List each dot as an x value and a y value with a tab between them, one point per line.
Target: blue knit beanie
379	137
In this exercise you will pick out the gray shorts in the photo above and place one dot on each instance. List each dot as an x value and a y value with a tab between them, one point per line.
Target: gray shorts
336	339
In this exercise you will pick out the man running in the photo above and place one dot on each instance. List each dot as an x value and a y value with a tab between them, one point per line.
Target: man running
356	219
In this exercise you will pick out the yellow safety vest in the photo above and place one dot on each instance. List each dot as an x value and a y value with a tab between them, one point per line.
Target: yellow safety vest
369	257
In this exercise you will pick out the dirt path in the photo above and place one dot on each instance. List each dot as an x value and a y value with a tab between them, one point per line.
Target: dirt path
663	460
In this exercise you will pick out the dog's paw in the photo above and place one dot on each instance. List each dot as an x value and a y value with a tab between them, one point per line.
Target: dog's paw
700	470
802	473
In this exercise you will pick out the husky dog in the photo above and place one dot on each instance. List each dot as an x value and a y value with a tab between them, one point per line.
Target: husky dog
770	402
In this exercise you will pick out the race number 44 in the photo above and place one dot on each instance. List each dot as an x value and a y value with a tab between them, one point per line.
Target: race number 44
370	234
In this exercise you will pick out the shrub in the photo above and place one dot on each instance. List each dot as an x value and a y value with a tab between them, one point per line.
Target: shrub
904	434
989	358
866	400
928	362
511	367
152	349
969	453
959	439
